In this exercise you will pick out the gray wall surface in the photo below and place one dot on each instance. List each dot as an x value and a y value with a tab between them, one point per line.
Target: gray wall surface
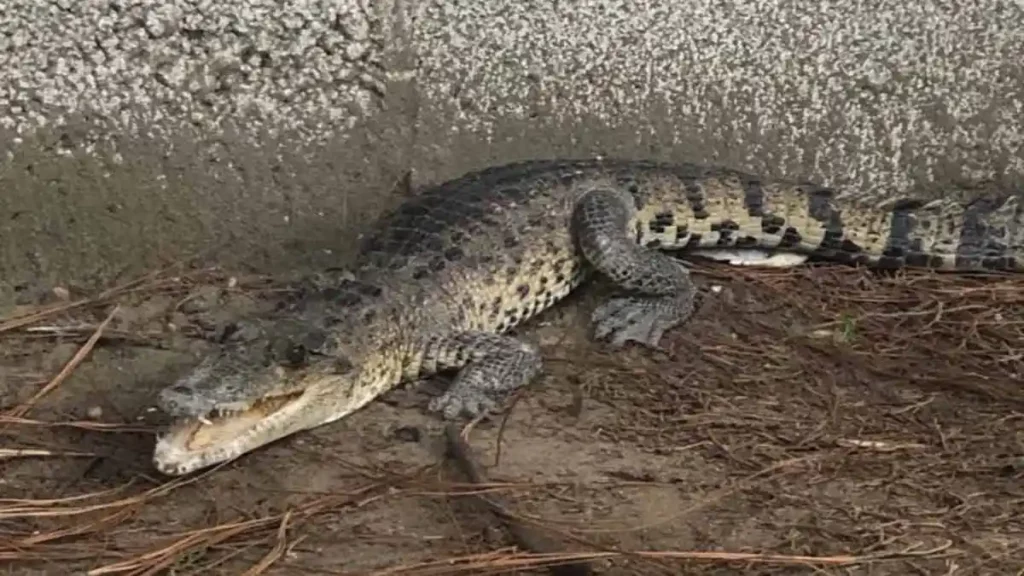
265	133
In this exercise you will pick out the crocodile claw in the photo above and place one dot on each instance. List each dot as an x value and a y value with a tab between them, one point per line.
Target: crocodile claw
636	319
470	403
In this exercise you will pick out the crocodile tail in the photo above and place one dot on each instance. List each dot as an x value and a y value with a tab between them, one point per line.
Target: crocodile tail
986	234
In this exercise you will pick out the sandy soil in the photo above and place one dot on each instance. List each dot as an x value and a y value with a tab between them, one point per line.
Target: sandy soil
874	423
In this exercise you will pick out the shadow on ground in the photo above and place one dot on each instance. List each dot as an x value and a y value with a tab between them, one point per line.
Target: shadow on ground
845	421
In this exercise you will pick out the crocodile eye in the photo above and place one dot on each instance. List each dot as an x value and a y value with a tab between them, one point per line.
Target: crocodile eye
240	331
296	355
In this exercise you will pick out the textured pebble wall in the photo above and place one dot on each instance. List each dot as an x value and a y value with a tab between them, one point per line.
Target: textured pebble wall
254	124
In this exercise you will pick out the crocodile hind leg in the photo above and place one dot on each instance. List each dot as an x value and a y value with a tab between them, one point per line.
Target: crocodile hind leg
491	366
661	294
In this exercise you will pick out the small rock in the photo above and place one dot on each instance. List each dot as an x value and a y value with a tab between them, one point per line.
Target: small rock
94	412
61	293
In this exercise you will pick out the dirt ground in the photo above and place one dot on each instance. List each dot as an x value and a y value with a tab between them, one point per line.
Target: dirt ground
815	421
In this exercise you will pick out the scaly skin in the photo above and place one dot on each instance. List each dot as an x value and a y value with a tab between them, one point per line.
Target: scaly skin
441	279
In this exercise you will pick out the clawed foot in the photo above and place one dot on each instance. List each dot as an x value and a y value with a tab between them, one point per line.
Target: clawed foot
639	319
463	402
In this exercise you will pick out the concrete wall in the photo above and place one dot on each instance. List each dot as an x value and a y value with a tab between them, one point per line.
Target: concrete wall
264	132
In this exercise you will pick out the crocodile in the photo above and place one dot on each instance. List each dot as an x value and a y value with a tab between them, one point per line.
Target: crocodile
442	278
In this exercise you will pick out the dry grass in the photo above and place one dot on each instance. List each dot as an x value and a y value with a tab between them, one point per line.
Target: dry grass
952	339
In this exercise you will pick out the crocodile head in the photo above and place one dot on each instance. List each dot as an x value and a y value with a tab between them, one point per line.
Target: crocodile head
269	380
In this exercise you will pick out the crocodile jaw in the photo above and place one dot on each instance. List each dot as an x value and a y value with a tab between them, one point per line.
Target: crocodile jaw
193	443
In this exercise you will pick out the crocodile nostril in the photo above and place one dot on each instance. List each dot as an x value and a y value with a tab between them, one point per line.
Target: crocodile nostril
181	389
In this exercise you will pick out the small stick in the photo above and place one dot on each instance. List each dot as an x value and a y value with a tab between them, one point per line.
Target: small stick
526	538
36	452
68	368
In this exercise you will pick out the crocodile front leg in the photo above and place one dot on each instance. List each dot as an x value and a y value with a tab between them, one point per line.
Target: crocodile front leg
491	366
662	294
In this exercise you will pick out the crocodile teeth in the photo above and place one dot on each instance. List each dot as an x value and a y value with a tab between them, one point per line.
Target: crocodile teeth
206	421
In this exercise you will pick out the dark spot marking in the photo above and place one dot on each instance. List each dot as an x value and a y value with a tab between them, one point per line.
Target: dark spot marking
369	316
694	241
753	198
771	224
917	259
511	241
420	273
889	262
458	237
982	245
746	242
511	272
901	225
454	254
437	264
908	205
725	238
523	290
665	218
791	238
851	247
560	279
655	243
695	196
681	233
724	225
819	205
999	263
496	306
832	240
543	280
